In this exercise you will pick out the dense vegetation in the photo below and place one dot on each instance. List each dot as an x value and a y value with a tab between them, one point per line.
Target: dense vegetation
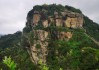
77	53
46	8
10	46
9	40
92	28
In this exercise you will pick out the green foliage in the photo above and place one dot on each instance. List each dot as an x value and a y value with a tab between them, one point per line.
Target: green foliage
38	46
30	14
11	64
50	9
72	9
82	39
31	37
91	28
44	16
27	29
43	66
37	8
54	28
60	69
39	26
14	49
24	41
70	54
10	40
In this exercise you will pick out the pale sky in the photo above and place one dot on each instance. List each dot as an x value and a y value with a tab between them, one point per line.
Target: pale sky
13	12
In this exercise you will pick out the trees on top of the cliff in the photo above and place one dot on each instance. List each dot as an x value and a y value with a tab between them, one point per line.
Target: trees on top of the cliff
30	14
72	9
49	8
54	7
58	8
37	8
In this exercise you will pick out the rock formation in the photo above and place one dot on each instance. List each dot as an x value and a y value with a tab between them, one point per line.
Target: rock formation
41	24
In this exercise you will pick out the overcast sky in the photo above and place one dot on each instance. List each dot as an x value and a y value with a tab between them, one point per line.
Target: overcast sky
13	12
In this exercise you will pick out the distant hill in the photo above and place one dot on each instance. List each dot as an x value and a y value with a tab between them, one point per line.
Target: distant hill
10	39
1	35
10	45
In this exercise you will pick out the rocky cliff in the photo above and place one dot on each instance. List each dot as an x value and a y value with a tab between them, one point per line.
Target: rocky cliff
47	27
66	19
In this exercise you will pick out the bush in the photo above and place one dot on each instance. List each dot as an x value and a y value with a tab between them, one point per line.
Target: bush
11	64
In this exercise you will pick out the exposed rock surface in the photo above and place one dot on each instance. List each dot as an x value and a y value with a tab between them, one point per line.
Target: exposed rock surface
73	20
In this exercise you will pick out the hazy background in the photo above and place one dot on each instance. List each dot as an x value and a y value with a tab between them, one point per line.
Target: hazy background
13	12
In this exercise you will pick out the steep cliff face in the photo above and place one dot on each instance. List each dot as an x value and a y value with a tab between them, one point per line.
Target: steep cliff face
39	48
69	19
50	27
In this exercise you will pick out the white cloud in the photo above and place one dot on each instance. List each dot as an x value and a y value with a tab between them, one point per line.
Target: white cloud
13	12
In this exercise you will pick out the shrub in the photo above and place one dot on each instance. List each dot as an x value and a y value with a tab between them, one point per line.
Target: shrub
10	63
